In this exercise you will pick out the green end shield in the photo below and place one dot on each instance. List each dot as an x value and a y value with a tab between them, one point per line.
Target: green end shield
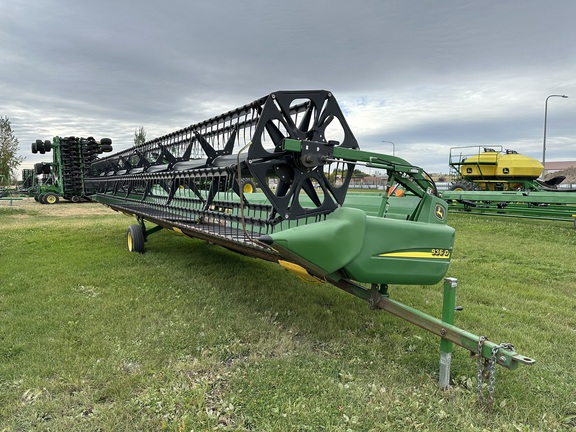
370	249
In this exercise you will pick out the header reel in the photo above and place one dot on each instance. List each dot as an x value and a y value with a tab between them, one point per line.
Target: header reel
295	186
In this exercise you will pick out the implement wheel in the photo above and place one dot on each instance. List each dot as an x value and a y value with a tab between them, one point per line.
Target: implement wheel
135	239
51	198
461	186
248	186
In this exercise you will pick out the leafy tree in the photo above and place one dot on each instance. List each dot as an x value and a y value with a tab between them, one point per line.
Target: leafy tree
139	136
9	160
359	174
342	173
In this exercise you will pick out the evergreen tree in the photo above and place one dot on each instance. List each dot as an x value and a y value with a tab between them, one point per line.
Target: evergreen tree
139	136
9	160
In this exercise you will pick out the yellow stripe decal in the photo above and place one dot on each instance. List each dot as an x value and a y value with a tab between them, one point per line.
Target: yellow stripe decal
433	254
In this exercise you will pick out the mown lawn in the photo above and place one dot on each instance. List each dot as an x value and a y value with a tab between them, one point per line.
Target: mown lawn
190	336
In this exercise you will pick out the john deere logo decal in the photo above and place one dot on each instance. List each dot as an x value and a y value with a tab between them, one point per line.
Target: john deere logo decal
440	213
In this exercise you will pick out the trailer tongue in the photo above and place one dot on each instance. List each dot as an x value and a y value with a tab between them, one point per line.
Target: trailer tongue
297	150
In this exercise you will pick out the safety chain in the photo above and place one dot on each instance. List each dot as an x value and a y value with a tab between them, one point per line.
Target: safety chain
480	367
487	369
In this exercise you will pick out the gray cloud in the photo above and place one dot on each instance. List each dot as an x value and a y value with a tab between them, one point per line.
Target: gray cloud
425	74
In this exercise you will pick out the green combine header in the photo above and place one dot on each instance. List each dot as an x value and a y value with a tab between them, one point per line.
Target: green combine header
270	179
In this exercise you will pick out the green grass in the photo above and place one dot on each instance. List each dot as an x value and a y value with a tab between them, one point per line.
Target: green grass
190	336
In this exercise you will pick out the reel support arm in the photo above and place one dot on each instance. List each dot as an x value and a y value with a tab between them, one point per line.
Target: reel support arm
399	170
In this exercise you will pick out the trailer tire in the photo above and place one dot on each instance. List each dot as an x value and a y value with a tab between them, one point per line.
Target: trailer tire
34	148
135	239
76	199
51	198
105	141
248	186
106	148
47	145
41	198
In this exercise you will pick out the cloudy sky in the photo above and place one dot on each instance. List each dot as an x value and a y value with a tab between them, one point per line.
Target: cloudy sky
425	75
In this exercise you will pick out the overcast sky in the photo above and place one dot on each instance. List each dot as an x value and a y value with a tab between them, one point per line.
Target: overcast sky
426	75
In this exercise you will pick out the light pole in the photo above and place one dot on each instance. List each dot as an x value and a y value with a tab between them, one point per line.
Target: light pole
393	147
545	120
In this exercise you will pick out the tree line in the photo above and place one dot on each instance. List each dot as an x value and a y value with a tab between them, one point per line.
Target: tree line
9	159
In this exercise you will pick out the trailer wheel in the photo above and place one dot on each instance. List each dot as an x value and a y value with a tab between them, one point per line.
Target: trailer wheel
51	198
135	238
34	148
76	199
248	186
41	199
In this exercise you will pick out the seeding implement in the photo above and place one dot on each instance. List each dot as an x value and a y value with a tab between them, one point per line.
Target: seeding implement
494	169
64	176
270	179
493	182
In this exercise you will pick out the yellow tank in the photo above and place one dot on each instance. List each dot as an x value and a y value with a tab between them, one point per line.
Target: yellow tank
515	165
494	165
480	166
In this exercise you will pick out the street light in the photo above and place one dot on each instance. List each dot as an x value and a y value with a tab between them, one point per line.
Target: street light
393	147
545	119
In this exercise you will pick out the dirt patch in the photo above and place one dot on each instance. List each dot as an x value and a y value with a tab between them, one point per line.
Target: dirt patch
63	208
569	173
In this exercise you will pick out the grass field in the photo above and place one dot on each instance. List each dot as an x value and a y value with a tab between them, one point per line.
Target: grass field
190	336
